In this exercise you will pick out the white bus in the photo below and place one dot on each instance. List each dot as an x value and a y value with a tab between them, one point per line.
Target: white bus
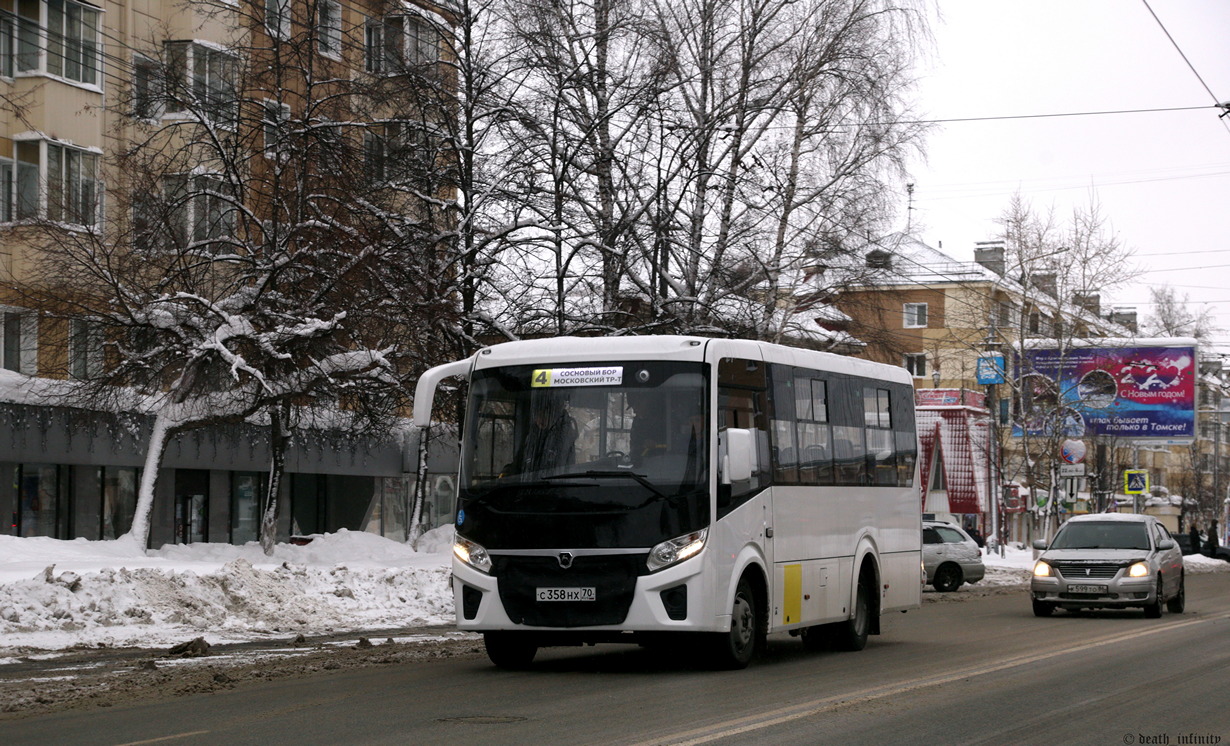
631	488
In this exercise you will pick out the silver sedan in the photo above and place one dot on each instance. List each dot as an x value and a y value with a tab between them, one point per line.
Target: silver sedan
1109	560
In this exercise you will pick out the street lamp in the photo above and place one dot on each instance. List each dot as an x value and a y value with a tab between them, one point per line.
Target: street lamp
935	377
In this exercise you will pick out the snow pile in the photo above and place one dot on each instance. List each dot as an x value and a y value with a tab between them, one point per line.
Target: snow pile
56	594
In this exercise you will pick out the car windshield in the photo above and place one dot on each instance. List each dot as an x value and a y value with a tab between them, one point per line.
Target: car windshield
1102	535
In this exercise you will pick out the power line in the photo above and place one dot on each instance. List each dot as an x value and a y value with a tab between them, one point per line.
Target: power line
1216	101
1011	117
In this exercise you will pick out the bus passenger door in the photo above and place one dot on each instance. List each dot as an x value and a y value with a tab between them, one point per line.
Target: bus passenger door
742	403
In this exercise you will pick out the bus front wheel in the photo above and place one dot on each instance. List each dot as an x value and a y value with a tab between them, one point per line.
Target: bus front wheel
511	650
734	649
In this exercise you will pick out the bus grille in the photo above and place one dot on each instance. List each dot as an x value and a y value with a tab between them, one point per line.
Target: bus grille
612	577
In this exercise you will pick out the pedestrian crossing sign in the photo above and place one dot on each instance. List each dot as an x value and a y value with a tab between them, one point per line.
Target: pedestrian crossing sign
1135	482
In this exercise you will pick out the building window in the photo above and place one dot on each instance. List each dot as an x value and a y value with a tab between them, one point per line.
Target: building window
20	342
69	47
1005	315
26	186
85	350
201	80
146	88
202	208
329	27
277	18
915	315
40	495
72	185
10	353
423	41
29	37
274	117
73	50
916	364
8	44
6	190
396	42
119	488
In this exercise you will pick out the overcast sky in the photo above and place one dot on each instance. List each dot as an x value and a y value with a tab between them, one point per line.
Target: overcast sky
1162	178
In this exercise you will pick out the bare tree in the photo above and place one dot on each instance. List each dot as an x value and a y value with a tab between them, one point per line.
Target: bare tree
1063	266
686	161
1172	316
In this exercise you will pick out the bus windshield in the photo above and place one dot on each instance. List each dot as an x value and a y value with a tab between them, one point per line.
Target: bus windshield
621	447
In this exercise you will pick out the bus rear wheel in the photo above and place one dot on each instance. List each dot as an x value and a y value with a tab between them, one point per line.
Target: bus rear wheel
511	650
852	634
734	649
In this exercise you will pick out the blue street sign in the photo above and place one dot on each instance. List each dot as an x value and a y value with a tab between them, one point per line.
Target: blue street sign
1135	482
990	369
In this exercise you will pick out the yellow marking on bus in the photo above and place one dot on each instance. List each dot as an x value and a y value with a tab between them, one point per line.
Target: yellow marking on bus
792	590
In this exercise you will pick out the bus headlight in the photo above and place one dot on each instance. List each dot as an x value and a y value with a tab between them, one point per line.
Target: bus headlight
1042	570
472	554
676	550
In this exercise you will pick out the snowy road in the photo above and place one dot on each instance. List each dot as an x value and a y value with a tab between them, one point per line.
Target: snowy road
970	667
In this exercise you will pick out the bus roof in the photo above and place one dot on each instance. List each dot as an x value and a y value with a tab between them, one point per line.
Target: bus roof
677	347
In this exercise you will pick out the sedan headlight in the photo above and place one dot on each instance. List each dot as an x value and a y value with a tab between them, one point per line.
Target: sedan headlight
676	550
1139	570
1042	570
472	554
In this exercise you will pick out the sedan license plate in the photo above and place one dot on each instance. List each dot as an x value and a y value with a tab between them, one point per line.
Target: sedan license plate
567	594
1098	589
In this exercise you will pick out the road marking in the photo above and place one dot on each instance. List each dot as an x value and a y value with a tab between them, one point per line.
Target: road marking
166	738
739	726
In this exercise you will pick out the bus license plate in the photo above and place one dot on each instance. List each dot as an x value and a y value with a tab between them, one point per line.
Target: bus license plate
1098	589
566	594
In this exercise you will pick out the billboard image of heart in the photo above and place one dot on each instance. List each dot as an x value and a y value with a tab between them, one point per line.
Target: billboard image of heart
1139	391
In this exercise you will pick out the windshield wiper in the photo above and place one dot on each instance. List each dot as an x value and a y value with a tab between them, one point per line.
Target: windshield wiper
594	473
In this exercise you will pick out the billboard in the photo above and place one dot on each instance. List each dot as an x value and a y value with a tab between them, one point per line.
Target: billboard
1145	391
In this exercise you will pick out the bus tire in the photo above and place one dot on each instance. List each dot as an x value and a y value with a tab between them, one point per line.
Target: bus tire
851	635
510	650
733	650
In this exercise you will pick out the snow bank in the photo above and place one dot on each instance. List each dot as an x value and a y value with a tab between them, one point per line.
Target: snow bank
56	594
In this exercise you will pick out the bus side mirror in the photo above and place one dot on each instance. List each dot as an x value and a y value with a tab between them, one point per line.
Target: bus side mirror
737	451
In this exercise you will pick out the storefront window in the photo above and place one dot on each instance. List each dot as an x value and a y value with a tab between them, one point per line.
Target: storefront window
119	500
393	496
40	497
245	507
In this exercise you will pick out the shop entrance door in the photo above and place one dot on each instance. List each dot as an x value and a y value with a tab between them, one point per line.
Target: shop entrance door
191	506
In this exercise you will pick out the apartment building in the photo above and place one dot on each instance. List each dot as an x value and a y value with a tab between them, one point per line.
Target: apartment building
160	123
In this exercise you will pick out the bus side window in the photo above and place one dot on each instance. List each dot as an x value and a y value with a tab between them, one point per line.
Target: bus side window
784	449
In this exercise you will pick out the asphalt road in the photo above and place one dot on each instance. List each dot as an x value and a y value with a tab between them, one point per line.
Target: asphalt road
969	668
